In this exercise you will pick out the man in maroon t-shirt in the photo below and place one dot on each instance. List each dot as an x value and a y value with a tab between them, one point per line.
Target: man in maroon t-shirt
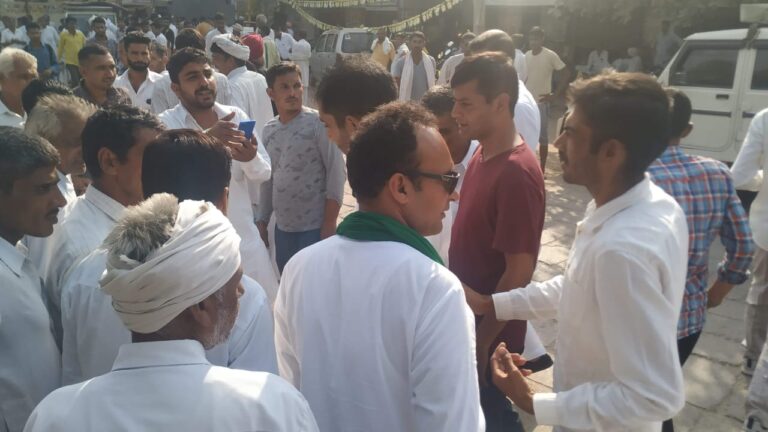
497	232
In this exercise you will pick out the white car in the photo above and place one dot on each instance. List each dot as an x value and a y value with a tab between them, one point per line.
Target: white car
725	74
346	41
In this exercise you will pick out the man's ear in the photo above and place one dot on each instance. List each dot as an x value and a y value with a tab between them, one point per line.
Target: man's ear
351	123
223	203
205	313
271	93
175	88
687	131
108	161
399	186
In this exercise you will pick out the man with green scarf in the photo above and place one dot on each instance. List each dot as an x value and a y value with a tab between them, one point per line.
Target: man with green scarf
369	325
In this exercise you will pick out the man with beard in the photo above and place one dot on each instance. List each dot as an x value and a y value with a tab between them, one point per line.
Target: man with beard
99	71
100	37
163	379
138	80
195	86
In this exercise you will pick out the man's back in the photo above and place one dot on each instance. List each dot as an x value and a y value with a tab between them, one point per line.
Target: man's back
377	347
169	386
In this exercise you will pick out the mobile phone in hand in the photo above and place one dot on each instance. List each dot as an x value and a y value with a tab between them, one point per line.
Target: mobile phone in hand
247	128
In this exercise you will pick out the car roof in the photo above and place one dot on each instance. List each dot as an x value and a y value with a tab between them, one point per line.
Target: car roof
348	30
735	34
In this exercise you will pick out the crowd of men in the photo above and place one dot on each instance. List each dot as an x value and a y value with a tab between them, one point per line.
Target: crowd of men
170	257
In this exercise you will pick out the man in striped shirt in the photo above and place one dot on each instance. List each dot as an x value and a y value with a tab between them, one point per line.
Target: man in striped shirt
704	189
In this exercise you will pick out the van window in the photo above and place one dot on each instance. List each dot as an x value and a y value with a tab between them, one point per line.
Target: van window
705	67
330	43
760	74
320	45
354	43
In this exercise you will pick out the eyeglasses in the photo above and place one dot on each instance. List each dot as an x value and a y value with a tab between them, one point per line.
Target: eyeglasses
449	180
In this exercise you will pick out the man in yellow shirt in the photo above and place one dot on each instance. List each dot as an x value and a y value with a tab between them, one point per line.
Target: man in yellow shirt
70	43
383	51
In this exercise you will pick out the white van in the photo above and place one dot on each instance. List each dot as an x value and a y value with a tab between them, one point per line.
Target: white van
725	74
335	42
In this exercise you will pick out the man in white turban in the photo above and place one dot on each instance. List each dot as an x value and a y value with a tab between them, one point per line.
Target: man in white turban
173	317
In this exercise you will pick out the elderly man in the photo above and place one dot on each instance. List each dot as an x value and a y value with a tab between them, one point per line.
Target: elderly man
248	89
194	84
29	203
17	69
189	165
158	57
164	380
373	307
98	70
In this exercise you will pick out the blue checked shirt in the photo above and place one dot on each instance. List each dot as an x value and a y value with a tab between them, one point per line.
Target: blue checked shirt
704	189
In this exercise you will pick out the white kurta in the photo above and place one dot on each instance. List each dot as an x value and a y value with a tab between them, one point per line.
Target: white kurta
254	252
143	97
377	337
30	365
249	93
284	45
527	117
300	54
93	332
163	97
50	37
170	386
87	225
617	307
449	67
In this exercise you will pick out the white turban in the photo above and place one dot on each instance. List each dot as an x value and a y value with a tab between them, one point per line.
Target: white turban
191	251
236	50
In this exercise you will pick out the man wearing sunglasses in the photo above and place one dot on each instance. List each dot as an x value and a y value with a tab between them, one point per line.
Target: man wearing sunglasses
369	325
497	232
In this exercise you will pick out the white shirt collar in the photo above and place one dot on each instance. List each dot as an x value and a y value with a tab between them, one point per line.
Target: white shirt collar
236	72
101	201
13	256
4	110
596	217
164	353
473	145
181	113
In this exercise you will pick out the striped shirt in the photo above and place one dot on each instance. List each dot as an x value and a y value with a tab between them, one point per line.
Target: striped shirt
704	189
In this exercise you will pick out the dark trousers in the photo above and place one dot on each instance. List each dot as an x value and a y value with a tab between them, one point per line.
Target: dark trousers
684	349
498	411
287	244
74	75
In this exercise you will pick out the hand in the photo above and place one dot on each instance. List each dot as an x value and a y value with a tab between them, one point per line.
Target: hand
262	226
510	379
244	152
546	98
479	303
717	293
226	131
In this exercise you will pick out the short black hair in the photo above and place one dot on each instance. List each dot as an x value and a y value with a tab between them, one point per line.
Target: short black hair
32	25
418	34
631	108
189	38
218	16
280	69
439	100
38	88
114	129
536	31
215	48
20	154
182	58
135	37
99	20
680	114
494	73
89	51
385	145
70	19
493	40
188	164
355	86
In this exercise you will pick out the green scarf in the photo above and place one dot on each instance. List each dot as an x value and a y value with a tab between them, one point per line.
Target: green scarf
369	226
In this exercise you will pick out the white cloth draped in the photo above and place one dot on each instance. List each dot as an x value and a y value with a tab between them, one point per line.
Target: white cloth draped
148	295
406	79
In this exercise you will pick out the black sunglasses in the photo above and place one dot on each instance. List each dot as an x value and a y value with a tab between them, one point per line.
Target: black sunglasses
449	180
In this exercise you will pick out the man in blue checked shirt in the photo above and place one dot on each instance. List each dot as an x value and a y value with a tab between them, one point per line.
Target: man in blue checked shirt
704	189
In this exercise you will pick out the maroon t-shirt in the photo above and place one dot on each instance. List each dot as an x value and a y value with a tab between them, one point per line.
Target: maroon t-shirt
501	211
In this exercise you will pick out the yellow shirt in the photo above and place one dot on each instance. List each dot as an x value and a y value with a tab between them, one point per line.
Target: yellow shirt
379	57
70	45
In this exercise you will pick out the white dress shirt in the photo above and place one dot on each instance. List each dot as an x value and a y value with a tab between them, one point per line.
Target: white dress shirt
170	386
256	262
89	222
449	67
30	365
300	54
284	45
6	36
11	118
38	246
163	97
50	36
93	332
617	307
377	337
249	93
747	172
527	117
143	97
521	66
